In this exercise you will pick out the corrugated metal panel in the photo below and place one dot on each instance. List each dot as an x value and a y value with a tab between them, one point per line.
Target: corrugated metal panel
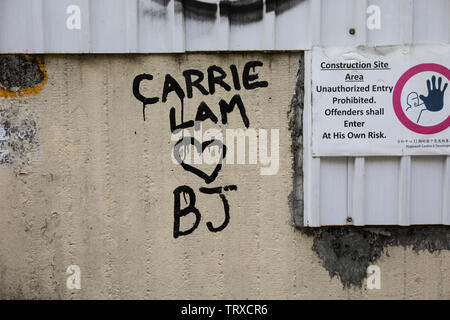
122	26
380	190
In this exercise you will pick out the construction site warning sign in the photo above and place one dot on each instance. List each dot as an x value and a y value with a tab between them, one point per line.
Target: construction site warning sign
381	101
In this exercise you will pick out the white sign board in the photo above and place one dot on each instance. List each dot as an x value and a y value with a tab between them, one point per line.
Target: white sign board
381	101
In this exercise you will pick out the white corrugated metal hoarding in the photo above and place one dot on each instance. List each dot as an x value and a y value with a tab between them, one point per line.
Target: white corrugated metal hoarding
338	190
123	26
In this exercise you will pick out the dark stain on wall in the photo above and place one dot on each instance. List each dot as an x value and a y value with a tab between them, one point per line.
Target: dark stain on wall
21	75
347	251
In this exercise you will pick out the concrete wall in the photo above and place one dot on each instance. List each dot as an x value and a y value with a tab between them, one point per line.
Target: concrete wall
86	181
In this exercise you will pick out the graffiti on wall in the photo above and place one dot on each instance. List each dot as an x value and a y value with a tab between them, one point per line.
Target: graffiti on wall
18	136
208	148
21	75
237	11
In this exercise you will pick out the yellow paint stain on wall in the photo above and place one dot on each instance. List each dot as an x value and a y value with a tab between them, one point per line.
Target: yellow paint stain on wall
22	92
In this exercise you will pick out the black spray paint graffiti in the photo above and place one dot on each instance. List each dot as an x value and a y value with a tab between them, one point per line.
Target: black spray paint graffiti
193	78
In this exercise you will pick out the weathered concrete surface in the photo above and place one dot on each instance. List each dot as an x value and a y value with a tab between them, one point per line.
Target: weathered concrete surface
98	192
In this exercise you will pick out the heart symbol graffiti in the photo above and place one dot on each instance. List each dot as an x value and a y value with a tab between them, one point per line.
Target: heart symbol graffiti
186	142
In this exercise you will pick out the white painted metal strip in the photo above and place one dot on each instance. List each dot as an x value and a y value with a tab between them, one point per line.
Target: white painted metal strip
85	33
168	26
223	30
360	22
334	189
448	22
426	189
315	209
381	190
38	25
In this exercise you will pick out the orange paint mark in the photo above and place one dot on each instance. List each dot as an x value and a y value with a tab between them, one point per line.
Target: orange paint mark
28	91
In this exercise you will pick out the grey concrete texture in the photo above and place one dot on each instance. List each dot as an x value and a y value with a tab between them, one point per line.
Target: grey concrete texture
96	190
